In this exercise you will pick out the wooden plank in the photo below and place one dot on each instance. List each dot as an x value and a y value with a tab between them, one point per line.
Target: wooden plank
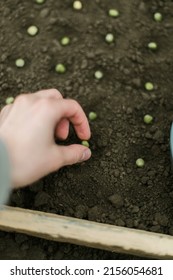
86	233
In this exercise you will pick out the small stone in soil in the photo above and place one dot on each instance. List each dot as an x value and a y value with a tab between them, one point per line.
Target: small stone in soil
116	200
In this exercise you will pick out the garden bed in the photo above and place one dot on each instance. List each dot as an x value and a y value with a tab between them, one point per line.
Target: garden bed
109	188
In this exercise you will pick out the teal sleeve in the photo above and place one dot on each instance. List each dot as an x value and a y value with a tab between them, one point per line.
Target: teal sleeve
5	178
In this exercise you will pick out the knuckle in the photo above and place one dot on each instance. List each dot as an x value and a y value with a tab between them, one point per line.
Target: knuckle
44	105
55	93
22	98
75	104
75	157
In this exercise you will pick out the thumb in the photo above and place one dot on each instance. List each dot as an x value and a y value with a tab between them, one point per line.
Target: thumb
68	155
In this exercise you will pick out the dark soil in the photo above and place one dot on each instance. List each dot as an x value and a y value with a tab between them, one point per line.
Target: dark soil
109	188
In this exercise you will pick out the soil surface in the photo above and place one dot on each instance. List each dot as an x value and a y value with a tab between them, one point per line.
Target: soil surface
109	188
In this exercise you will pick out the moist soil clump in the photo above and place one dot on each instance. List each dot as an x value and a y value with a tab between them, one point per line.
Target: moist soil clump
109	188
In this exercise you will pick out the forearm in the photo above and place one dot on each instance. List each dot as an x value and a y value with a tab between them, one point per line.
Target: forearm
5	178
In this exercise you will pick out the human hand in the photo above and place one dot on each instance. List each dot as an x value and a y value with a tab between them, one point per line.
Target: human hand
29	126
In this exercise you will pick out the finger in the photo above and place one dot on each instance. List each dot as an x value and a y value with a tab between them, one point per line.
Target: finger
5	111
62	129
71	110
68	155
49	93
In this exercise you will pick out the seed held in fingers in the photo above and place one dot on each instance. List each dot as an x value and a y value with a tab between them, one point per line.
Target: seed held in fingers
85	143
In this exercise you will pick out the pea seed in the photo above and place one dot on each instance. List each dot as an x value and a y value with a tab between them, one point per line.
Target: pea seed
140	162
98	75
65	41
77	5
152	46
32	30
148	119
92	116
20	62
85	143
39	1
60	68
9	100
149	86
109	38
113	13
158	17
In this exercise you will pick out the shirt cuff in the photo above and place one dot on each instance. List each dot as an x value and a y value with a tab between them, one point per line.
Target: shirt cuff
5	174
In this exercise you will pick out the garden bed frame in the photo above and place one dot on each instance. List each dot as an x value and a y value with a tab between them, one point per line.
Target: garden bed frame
86	233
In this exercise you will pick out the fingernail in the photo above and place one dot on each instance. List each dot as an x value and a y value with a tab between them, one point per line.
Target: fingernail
86	155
